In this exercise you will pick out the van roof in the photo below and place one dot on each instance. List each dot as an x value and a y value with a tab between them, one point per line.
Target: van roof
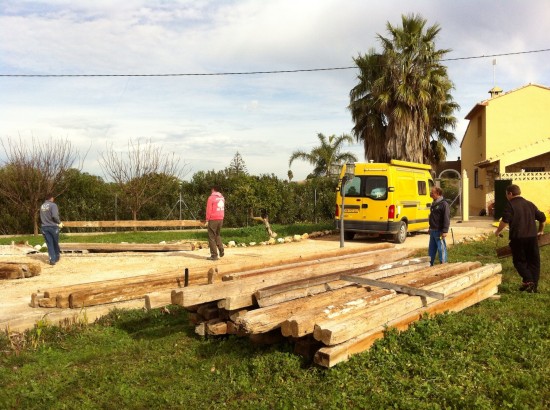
394	162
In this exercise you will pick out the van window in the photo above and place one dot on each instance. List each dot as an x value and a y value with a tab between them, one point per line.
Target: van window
422	188
376	187
353	187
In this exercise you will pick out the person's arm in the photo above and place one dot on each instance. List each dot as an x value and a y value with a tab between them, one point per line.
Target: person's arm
542	219
208	208
55	213
446	220
500	228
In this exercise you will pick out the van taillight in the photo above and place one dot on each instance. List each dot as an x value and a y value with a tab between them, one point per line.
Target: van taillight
391	212
337	211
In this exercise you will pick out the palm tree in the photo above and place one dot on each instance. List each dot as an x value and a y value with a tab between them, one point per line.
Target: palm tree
402	99
327	155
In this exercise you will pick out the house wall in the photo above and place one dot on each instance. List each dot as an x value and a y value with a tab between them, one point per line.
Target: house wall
541	161
509	127
531	184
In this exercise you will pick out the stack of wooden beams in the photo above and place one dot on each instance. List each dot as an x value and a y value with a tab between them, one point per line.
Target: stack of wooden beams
16	270
324	311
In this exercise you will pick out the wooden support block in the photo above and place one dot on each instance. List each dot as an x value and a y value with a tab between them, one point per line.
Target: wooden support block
61	302
268	338
16	270
307	347
200	329
157	300
216	329
47	302
195	318
34	299
330	356
209	312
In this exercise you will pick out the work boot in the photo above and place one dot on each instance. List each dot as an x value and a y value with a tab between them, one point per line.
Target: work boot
529	287
221	253
212	258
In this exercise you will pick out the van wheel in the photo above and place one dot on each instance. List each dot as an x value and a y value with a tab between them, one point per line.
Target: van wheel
401	235
348	235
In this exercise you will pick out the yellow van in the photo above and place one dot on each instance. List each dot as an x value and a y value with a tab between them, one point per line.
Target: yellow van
385	199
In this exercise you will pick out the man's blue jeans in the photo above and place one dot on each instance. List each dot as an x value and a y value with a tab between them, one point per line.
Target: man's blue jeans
51	235
437	245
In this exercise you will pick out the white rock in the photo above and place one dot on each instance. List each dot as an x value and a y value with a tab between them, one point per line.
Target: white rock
297	238
281	240
252	244
162	243
231	244
271	241
37	247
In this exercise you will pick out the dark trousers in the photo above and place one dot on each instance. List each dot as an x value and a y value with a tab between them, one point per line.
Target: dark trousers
214	239
51	236
526	258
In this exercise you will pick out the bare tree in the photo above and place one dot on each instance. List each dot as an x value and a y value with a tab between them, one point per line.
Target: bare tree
34	169
136	172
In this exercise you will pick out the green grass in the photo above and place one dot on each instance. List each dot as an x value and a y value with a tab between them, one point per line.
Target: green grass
255	233
495	355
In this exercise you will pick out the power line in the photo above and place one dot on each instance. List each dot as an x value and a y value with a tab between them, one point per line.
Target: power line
255	72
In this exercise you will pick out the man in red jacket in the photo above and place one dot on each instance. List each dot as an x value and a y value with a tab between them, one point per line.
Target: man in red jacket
215	207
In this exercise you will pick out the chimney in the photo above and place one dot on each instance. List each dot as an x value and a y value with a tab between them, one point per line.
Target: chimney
495	91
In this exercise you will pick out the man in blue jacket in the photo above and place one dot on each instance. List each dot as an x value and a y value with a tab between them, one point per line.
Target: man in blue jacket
49	216
440	219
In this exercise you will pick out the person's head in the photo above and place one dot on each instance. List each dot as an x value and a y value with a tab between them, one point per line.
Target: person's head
50	197
436	192
215	188
512	191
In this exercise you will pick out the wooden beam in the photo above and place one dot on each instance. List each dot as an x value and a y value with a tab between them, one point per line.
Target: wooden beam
332	355
134	224
18	270
124	247
506	251
408	290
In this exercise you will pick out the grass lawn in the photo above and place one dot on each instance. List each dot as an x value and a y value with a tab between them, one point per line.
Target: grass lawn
495	355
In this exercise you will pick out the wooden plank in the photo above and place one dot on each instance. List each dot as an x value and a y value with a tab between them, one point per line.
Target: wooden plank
332	355
134	224
506	251
318	280
124	247
247	286
216	329
337	331
408	290
157	300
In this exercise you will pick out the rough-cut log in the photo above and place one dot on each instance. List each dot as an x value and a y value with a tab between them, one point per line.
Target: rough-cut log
128	291
124	247
302	288
46	302
506	251
335	331
216	329
16	270
157	300
330	356
310	260
409	290
303	283
247	286
134	224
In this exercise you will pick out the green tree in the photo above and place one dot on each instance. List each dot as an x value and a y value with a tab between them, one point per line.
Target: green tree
402	99
326	155
237	165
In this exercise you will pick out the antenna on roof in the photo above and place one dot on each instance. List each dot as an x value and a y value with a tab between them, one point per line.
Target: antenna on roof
494	65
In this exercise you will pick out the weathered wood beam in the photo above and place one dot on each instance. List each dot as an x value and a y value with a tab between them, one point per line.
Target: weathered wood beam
124	247
506	251
332	355
134	224
17	270
408	290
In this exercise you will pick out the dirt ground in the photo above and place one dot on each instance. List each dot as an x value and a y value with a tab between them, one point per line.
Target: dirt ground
17	315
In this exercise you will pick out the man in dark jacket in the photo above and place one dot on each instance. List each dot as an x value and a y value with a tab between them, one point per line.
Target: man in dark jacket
49	216
440	219
520	215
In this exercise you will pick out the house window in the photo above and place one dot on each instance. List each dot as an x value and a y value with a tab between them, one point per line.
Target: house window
476	178
534	169
479	126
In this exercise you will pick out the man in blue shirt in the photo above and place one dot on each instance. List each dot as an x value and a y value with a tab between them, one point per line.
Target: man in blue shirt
49	217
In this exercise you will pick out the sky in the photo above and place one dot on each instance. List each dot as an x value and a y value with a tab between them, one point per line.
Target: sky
205	120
